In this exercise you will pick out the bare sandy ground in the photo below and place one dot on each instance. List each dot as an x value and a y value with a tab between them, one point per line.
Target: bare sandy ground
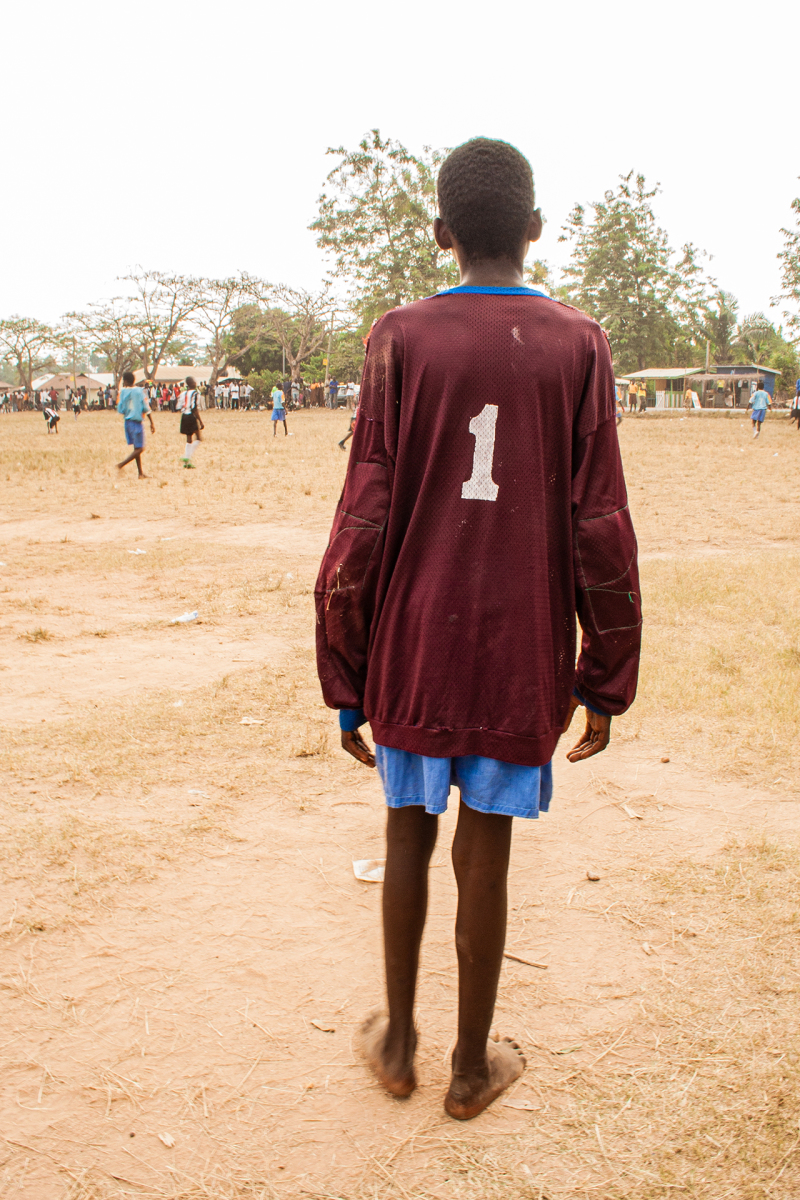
178	1006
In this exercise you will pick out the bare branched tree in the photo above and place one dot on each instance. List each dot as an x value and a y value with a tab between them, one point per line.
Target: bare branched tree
110	329
213	318
163	303
300	322
28	345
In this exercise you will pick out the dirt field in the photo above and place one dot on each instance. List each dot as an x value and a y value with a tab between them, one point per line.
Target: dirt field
184	949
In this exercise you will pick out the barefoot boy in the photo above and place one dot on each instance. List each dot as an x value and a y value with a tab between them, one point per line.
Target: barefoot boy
484	506
133	406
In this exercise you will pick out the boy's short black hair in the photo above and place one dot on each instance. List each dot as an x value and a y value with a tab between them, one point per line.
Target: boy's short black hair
486	198
128	379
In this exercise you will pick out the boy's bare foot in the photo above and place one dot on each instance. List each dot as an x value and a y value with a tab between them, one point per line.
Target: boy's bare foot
394	1071
469	1096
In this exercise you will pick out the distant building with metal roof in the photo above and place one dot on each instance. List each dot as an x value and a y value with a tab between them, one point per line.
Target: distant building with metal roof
727	386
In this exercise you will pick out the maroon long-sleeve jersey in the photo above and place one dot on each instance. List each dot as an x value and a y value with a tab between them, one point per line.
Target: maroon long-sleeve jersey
484	507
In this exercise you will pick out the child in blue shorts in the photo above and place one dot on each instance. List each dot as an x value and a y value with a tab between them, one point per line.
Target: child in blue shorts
133	406
484	513
759	403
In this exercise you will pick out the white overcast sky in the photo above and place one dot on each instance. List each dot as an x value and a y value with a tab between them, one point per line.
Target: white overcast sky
191	136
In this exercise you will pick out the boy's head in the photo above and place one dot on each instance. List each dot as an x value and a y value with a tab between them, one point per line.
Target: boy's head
486	199
127	379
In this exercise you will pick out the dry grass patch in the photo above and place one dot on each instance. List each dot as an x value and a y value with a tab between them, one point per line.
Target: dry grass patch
721	664
701	1097
37	635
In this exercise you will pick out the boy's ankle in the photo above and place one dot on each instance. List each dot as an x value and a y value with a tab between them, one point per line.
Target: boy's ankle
472	1065
401	1040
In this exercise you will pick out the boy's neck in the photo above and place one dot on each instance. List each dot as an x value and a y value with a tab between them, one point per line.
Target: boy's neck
492	272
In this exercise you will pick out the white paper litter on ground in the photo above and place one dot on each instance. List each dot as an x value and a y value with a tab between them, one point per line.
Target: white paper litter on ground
370	870
184	618
137	552
251	721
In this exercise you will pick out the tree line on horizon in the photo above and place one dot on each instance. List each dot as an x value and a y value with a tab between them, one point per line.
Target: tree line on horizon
659	307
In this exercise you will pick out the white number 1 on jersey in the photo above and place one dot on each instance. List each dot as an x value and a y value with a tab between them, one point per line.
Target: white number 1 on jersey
480	485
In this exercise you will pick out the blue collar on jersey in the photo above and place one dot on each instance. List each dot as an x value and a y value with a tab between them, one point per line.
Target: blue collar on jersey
465	290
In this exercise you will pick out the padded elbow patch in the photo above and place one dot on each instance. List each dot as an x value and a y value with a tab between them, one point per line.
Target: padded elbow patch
605	557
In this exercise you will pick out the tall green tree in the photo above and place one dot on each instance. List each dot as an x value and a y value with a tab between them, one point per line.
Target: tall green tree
624	273
376	222
756	338
789	258
721	325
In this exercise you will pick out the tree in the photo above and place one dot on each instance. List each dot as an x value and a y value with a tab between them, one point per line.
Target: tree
784	358
789	258
215	314
300	323
163	304
756	339
376	220
250	345
623	274
28	345
112	330
721	325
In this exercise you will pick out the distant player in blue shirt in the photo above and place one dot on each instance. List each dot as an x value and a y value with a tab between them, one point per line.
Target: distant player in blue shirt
133	406
759	403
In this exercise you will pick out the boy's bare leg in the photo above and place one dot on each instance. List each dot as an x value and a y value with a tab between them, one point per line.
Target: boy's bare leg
389	1043
481	1069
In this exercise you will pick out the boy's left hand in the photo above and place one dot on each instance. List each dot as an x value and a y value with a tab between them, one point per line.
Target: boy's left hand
354	744
596	737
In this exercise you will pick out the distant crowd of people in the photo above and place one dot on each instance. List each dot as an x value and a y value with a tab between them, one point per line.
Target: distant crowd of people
164	397
23	400
295	394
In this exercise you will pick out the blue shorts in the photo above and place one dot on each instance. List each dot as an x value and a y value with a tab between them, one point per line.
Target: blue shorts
486	784
134	433
759	414
279	414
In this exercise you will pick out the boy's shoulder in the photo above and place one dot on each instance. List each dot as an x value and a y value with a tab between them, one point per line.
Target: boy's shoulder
421	316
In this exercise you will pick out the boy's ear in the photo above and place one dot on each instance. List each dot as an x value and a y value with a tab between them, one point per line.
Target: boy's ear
536	226
442	235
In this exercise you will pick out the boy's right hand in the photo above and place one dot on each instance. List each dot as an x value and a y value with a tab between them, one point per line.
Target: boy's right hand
354	744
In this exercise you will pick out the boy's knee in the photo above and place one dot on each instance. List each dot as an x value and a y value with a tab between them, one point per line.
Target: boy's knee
463	944
411	827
